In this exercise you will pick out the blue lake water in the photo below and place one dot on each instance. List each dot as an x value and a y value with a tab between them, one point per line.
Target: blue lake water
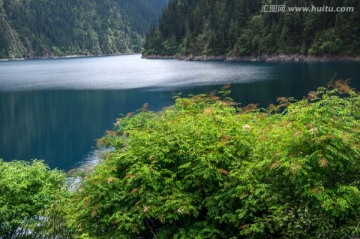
55	109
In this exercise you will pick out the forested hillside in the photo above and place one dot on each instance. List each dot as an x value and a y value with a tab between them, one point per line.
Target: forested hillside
240	28
35	28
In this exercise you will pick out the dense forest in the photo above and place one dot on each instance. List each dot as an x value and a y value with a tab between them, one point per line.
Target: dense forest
36	28
236	28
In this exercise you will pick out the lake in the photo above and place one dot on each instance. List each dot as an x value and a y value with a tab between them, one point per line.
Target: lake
55	109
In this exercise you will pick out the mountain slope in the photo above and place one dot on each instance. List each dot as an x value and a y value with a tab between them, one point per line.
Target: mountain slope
235	28
33	28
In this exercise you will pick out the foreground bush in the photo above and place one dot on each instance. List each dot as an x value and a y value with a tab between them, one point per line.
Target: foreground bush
205	168
31	201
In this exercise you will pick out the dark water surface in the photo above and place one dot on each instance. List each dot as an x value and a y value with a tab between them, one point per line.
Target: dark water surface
55	109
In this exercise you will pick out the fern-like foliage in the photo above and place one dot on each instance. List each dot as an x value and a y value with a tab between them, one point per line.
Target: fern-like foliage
205	168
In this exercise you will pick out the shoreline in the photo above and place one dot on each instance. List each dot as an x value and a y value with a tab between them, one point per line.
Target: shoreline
263	58
65	57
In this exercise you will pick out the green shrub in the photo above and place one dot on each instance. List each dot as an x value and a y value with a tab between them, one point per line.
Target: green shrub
31	201
206	168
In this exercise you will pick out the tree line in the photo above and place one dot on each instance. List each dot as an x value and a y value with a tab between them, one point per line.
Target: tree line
240	28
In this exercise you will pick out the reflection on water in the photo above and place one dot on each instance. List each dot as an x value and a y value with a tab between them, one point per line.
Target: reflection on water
60	126
90	160
122	72
56	109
